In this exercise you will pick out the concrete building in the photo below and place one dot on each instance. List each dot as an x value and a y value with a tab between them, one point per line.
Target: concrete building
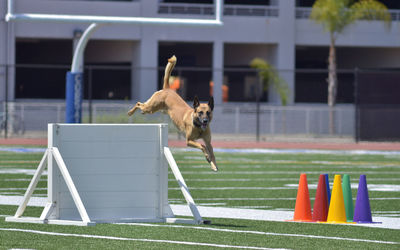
278	31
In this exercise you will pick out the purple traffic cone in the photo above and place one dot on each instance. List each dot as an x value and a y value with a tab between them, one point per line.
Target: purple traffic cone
328	190
362	211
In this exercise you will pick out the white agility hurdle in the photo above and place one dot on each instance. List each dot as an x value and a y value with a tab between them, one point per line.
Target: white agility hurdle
106	173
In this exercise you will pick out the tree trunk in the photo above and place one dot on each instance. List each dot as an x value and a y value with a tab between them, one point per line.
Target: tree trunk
332	84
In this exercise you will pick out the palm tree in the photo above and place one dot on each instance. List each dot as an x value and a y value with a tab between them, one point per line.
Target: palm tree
269	77
335	16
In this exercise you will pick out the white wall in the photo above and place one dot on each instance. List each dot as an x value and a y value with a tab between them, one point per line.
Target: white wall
363	33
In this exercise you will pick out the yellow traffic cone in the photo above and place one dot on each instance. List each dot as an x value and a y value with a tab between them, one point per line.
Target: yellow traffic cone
337	211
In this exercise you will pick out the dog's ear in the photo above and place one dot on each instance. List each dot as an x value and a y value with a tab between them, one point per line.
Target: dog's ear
211	103
196	102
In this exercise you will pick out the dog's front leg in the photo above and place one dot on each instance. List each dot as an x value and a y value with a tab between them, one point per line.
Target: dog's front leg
194	144
211	158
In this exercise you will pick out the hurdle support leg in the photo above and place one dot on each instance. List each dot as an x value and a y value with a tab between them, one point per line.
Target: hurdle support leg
52	152
32	185
183	187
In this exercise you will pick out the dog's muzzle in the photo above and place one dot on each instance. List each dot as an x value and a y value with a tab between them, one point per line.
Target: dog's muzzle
204	124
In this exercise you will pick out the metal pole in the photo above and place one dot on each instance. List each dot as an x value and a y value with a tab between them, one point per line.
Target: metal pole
90	96
258	111
218	10
357	108
77	65
6	78
6	104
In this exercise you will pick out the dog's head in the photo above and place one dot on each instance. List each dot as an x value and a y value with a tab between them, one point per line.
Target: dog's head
202	114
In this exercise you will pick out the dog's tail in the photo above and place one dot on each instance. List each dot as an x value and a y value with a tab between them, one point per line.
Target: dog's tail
168	70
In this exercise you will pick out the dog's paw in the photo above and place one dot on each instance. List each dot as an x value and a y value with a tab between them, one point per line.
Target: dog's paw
214	167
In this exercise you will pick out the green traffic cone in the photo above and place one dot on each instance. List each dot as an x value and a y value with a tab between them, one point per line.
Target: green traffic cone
348	199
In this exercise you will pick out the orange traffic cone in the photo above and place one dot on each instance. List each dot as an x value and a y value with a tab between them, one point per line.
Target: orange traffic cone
302	211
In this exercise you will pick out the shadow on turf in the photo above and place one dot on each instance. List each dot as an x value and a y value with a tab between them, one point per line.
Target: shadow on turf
226	225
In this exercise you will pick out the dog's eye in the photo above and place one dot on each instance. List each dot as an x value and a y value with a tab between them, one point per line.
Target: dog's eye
201	113
208	112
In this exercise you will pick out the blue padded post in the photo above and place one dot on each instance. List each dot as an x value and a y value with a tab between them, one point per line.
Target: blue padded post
74	96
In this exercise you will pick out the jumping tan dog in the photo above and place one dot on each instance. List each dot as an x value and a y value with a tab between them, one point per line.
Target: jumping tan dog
194	122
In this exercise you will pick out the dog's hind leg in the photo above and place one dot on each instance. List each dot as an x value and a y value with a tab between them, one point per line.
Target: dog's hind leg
132	110
152	105
144	107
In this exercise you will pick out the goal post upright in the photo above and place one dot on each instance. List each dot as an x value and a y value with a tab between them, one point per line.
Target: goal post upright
74	78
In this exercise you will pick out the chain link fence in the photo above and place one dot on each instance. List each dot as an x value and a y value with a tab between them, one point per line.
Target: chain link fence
231	120
238	117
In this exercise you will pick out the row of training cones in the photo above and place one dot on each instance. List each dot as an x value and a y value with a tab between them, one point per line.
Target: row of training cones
335	208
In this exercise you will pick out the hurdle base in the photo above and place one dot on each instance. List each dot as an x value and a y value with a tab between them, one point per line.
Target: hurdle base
92	223
50	222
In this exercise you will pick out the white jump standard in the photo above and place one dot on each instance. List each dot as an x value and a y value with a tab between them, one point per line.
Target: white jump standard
107	173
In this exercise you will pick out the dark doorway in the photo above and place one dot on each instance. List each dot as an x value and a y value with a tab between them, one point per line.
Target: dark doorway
193	71
41	66
378	105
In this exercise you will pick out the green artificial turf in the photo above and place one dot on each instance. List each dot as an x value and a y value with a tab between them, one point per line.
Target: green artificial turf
243	181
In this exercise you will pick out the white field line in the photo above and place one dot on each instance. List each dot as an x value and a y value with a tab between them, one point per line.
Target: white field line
223	172
294	151
268	199
20	171
189	243
259	166
236	188
246	179
268	233
212	204
371	187
262	179
303	162
248	151
249	207
9	189
17	200
21	180
236	199
40	200
267	215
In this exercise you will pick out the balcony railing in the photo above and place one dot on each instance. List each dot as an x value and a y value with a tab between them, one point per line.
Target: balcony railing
208	9
304	13
188	9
